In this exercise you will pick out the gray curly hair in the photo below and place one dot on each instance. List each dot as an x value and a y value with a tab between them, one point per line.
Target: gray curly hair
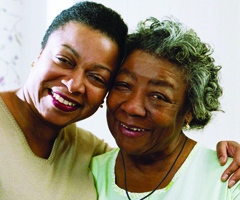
171	40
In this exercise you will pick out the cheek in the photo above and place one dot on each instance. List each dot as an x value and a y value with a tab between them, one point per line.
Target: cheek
111	107
110	122
42	72
163	116
111	101
165	121
95	95
115	99
168	124
35	81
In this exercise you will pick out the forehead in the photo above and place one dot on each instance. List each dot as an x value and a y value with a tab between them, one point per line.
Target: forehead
86	43
144	66
76	31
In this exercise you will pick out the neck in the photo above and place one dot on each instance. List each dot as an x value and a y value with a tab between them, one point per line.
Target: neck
159	161
167	154
39	135
150	169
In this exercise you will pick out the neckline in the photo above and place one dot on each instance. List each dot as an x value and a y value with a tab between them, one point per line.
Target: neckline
133	195
23	141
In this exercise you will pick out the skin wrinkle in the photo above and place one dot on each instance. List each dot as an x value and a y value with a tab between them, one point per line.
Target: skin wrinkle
72	50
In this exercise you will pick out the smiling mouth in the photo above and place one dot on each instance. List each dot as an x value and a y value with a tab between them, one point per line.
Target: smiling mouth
63	103
133	129
132	132
62	100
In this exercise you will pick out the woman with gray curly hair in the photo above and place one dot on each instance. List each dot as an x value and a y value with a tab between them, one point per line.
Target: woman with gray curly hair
168	83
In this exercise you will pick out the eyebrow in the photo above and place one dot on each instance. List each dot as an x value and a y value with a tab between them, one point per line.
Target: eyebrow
161	83
125	71
78	56
72	50
154	82
102	67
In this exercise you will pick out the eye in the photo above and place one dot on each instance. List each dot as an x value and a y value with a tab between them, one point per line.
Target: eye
120	85
65	61
97	80
159	96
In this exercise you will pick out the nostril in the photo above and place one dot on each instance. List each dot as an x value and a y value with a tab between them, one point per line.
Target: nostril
134	108
74	85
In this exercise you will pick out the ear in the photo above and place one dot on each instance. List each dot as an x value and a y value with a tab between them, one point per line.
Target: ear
189	116
39	54
33	63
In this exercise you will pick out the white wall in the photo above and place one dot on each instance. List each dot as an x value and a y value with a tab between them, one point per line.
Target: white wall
54	7
216	22
22	25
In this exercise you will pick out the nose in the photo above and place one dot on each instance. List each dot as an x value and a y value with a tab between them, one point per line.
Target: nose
75	82
135	105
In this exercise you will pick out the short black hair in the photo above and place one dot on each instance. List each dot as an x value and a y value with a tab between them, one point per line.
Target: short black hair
94	15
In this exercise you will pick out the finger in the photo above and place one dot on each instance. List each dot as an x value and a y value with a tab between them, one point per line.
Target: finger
222	152
234	178
230	170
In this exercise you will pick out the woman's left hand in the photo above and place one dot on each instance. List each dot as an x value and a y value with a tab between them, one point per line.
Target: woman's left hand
231	149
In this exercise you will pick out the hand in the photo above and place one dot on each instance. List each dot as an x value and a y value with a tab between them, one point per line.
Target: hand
231	149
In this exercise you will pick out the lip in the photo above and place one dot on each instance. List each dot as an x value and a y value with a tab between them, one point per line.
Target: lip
129	132
61	106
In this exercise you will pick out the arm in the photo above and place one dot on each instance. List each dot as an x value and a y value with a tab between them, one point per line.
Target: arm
232	149
101	146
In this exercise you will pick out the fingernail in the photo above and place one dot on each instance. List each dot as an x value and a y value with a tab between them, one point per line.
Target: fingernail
221	160
224	177
231	183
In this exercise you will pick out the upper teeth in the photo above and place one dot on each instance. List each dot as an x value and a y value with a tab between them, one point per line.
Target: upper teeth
134	129
62	100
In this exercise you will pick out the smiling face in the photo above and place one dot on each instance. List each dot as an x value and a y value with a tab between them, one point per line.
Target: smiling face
147	104
72	74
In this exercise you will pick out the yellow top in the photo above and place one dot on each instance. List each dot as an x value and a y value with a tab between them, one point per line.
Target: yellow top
64	175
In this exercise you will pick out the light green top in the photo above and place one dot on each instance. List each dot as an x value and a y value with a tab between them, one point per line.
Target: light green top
199	178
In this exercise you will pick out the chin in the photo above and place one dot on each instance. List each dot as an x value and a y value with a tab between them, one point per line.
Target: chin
129	149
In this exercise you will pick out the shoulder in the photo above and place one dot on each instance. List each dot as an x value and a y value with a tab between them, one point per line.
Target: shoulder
3	106
107	156
214	170
86	140
7	121
79	133
209	154
104	160
102	168
212	167
206	160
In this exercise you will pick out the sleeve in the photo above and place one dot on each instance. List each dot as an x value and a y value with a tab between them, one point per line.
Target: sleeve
92	143
100	146
235	194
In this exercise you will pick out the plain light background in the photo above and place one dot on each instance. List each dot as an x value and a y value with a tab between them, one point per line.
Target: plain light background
217	22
